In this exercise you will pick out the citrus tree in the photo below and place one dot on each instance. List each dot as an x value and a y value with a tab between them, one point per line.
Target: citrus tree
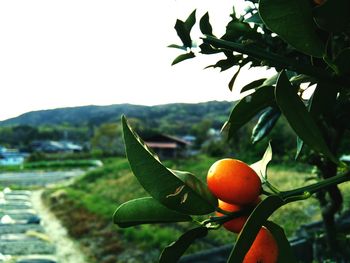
308	44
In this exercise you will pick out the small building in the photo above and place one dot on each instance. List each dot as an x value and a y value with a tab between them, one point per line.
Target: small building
166	146
11	157
48	146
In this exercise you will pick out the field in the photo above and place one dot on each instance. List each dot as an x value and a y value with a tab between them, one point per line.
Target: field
66	164
95	197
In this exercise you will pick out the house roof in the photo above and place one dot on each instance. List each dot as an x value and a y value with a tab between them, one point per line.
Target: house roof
164	138
162	145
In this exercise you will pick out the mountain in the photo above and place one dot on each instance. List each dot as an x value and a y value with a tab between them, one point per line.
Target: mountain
171	114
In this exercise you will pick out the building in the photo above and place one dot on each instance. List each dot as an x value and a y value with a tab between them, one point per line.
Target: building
48	146
166	146
11	157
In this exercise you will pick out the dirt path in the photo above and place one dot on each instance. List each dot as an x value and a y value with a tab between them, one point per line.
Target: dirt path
67	251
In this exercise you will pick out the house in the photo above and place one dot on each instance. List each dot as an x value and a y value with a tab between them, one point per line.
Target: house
166	146
48	146
11	157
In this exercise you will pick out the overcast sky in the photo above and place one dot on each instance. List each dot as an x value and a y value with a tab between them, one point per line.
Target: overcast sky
71	53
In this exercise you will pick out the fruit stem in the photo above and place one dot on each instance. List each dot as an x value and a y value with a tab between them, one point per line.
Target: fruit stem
272	188
228	216
264	192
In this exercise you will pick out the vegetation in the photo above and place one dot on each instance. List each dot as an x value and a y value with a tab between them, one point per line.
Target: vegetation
52	165
95	195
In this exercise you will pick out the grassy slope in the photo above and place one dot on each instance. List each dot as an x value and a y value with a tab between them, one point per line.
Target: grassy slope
102	190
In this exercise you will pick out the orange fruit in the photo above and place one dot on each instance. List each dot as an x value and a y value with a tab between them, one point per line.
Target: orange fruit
234	182
264	248
235	225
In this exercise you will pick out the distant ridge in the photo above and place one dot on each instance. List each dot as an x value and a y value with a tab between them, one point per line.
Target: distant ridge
92	114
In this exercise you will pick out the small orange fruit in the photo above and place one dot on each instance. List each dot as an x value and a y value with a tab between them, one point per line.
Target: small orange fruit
234	182
264	248
235	225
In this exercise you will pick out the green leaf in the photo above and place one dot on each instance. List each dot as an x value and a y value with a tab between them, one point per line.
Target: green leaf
299	118
183	57
248	107
251	228
173	252
333	15
179	191
266	122
255	18
270	81
183	33
299	79
323	100
300	146
253	85
146	211
260	167
233	79
224	64
205	26
285	253
190	21
178	47
208	49
293	22
343	61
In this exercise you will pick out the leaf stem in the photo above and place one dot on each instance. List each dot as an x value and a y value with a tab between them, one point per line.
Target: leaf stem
275	59
313	188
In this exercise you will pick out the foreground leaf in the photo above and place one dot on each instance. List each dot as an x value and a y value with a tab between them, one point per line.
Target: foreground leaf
285	253
266	122
176	190
251	228
183	33
173	252
146	211
299	118
253	85
205	26
300	146
233	79
260	167
183	57
190	21
293	22
248	107
333	15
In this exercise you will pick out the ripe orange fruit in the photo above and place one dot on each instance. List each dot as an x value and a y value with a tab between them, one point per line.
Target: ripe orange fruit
235	225
234	182
264	248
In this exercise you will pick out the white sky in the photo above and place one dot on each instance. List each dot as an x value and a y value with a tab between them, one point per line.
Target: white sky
71	53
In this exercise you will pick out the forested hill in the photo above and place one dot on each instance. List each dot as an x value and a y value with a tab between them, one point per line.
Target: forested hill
172	114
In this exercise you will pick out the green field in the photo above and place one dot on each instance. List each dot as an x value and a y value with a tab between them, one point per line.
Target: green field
101	191
66	164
